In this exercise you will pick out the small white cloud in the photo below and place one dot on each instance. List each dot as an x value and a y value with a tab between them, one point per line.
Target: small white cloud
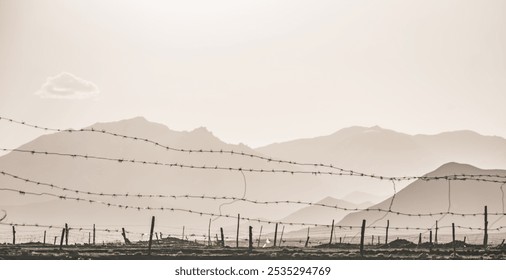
68	86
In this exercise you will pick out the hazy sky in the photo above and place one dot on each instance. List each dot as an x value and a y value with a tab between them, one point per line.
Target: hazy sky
255	71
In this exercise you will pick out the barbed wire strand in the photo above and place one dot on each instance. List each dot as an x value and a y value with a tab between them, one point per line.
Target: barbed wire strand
461	177
243	199
342	171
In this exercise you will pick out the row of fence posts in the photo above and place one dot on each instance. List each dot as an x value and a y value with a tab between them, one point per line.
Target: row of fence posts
66	230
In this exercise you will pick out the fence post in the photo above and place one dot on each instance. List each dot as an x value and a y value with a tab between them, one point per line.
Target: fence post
93	234
485	235
307	239
89	238
379	240
275	235
386	234
182	236
44	242
341	240
124	236
222	237
62	238
362	234
151	235
453	237
209	234
435	236
54	243
66	235
156	235
250	244
237	235
13	235
260	236
331	232
281	237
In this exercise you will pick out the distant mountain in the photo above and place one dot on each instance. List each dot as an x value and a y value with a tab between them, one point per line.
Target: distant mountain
114	177
323	215
440	196
376	150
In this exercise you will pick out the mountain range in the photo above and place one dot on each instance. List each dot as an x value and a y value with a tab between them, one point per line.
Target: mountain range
373	150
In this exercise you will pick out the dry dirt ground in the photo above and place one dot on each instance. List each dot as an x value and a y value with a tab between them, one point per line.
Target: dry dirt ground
176	249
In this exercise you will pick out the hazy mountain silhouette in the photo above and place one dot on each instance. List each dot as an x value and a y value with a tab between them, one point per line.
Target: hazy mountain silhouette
434	196
372	150
114	177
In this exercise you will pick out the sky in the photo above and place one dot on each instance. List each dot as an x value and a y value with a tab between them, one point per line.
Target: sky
254	72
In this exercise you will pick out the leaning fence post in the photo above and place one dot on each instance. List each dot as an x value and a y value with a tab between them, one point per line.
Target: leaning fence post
124	236
331	232
307	239
222	237
260	236
485	235
362	234
275	234
13	235
151	235
237	235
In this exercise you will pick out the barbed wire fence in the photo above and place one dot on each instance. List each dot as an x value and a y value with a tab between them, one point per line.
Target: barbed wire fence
326	169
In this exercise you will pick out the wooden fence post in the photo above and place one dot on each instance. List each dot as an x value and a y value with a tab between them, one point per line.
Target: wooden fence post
89	238
275	235
453	237
331	232
386	234
260	236
222	237
281	237
307	239
13	235
485	235
124	236
430	240
151	235
435	235
250	244
420	238
182	236
93	234
379	240
62	238
209	234
362	235
341	240
54	243
237	235
44	242
66	235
